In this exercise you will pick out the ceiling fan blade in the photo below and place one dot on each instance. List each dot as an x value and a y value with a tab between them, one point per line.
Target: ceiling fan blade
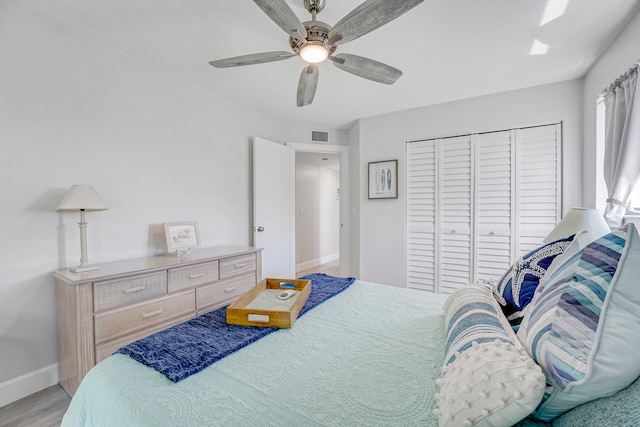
254	58
336	59
368	68
367	17
307	85
284	17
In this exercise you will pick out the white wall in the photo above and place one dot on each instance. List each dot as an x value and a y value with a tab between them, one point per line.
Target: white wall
382	233
317	214
621	54
354	200
155	147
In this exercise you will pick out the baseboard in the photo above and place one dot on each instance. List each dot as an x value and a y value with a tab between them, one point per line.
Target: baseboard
316	262
27	384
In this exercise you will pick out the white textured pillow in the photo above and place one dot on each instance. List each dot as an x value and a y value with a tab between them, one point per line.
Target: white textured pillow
487	378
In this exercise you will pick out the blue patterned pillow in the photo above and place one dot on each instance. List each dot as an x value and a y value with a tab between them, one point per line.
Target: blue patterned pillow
582	324
516	288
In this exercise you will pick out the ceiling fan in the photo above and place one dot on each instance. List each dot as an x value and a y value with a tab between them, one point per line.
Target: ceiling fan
314	41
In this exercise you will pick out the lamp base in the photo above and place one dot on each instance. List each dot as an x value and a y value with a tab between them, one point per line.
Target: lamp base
84	268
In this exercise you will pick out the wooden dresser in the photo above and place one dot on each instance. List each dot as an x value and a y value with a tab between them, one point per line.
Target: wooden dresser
102	310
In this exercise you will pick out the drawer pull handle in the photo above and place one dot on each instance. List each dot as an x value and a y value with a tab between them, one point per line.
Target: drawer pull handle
136	289
151	313
226	290
196	276
240	265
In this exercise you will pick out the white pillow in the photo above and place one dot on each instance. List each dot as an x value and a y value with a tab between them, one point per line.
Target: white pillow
488	379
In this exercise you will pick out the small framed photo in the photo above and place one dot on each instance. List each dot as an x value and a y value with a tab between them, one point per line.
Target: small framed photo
181	236
383	179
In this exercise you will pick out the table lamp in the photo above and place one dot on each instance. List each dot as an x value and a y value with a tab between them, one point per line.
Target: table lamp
579	219
82	198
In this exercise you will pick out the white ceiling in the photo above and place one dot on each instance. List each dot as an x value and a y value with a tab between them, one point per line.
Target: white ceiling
447	49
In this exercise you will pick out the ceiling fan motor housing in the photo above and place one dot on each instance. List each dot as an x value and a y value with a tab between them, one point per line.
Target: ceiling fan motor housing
317	31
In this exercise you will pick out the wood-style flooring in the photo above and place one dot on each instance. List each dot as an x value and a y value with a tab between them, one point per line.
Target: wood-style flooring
42	409
46	407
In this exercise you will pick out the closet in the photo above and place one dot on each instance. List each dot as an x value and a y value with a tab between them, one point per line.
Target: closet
477	202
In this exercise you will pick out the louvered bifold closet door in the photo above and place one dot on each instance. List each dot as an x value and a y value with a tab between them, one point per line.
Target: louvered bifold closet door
421	215
538	184
494	204
455	213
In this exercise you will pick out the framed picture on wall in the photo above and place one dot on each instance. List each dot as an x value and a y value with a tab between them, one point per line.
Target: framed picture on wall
383	179
181	236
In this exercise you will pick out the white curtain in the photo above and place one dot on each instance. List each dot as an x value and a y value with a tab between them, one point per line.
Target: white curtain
622	144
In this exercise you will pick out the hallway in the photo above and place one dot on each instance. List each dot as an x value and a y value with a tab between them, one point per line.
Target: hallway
331	268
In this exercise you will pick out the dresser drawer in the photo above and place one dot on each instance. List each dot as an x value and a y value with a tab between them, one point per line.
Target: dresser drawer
115	293
218	294
123	321
106	349
235	266
194	275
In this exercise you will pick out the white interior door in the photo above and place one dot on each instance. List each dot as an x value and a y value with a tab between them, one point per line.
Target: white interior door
539	182
274	227
494	204
422	211
455	206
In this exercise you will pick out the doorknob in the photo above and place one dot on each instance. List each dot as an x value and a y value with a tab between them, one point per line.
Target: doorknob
260	229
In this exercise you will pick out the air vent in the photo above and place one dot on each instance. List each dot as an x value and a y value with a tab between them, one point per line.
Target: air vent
319	136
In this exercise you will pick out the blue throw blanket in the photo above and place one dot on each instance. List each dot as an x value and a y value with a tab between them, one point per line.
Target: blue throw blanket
189	347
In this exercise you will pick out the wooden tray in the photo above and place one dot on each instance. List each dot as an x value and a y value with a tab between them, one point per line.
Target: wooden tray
260	306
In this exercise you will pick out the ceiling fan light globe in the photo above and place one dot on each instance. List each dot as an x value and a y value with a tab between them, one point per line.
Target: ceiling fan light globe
314	52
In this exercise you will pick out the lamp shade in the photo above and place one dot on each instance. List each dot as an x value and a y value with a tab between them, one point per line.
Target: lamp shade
82	197
580	219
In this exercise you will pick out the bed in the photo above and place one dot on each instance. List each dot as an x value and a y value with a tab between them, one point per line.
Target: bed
368	356
379	355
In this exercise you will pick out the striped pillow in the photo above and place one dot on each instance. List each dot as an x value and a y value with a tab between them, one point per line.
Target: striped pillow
582	324
488	379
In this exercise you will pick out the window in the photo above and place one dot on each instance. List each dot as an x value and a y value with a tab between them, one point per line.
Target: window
635	198
601	188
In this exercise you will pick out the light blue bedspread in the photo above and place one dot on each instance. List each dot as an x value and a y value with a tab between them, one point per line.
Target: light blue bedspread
369	356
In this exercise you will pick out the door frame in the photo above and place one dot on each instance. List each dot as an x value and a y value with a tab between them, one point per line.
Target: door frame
343	152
